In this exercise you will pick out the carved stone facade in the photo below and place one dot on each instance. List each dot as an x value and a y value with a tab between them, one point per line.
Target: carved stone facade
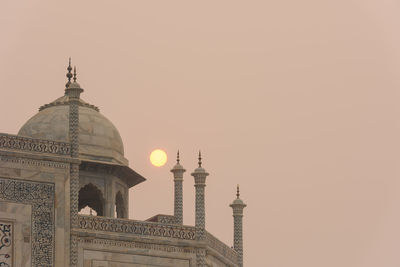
160	240
45	183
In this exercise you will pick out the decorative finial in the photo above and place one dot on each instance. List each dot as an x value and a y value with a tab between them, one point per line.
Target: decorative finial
199	159
177	157
237	191
69	74
74	74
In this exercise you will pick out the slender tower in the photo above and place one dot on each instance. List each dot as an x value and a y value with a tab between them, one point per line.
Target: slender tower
238	206
200	176
73	91
178	171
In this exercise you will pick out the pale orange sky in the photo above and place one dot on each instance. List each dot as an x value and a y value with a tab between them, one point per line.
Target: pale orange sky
297	101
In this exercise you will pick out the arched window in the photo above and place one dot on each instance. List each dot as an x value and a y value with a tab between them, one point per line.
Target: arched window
119	205
91	196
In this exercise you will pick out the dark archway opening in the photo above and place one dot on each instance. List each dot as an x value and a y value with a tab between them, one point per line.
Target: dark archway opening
119	205
91	196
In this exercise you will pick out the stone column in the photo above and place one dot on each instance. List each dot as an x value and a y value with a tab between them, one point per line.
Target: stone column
238	206
178	171
126	203
73	91
200	176
109	198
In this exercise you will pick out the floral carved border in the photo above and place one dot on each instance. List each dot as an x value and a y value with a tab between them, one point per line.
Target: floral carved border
16	142
41	197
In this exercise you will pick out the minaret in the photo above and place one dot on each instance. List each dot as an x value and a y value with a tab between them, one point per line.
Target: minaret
178	171
73	91
238	206
200	176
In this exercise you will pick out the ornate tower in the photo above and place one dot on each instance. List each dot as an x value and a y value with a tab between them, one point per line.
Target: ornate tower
238	206
200	176
178	171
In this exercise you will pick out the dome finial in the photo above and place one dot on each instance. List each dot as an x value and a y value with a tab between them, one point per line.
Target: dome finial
237	191
74	74
200	159
69	74
177	157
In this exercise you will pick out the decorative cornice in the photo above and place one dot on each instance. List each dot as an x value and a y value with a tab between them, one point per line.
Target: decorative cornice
15	142
65	100
141	228
33	162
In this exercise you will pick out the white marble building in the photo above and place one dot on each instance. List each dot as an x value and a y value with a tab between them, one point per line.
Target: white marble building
69	157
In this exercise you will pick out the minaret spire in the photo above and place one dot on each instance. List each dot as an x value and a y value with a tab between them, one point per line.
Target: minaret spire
69	74
237	206
178	171
200	159
74	74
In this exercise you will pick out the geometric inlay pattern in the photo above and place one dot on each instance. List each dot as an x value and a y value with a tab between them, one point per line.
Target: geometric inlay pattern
6	244
41	197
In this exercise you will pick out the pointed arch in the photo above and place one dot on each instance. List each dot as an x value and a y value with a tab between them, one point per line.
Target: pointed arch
91	196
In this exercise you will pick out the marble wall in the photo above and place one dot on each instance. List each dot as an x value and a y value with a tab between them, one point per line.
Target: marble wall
34	195
15	234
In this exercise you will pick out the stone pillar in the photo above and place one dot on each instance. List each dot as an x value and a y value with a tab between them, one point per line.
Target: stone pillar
238	206
73	91
126	203
178	171
200	176
109	198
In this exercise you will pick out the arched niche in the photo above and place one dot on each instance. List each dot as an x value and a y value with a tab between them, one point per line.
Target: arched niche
91	196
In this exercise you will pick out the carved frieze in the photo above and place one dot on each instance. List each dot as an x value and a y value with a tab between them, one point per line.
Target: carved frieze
15	142
34	162
136	227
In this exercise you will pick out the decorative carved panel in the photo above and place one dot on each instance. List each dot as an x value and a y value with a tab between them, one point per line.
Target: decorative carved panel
136	227
6	243
41	198
15	142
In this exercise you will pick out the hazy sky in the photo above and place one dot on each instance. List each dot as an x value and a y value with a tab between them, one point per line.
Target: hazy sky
297	101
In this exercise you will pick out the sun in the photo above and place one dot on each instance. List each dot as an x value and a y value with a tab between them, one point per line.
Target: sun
158	157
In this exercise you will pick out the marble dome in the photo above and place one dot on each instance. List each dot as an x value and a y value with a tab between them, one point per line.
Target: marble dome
99	139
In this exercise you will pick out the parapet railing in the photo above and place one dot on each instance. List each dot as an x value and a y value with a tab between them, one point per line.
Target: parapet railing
221	247
15	142
98	223
144	228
